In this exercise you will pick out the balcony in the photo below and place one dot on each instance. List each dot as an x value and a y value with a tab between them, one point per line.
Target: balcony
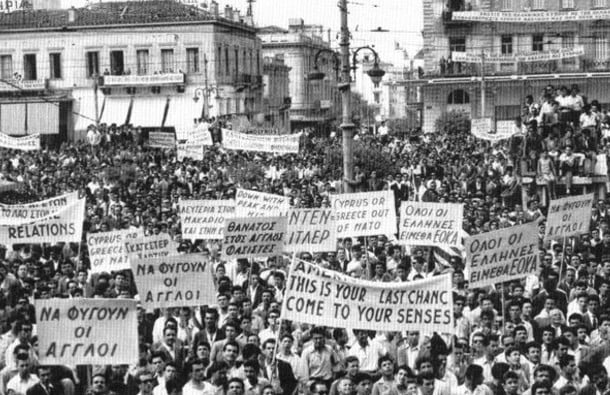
24	85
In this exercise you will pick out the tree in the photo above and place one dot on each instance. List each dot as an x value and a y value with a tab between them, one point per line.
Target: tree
452	122
368	156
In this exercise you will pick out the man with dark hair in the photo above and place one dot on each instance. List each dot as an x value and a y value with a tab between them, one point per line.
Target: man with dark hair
44	386
197	384
235	386
473	382
24	380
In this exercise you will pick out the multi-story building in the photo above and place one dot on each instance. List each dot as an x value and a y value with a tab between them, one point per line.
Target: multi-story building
314	103
503	32
152	64
276	94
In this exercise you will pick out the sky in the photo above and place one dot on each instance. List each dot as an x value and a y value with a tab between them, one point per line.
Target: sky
403	19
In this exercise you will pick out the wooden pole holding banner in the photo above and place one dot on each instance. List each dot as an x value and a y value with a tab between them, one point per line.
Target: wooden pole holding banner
563	257
503	308
279	329
369	268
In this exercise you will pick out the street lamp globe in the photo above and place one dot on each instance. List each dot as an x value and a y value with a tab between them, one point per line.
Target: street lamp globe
376	74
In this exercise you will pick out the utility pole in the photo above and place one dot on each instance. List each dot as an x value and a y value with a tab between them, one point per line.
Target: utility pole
482	84
346	125
206	92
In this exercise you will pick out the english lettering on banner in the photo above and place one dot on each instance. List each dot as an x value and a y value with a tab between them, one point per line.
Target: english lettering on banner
107	249
254	204
253	237
149	247
431	224
204	219
174	281
311	230
365	214
343	302
87	331
502	255
569	216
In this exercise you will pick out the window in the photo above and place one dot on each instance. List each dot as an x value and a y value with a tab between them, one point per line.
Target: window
227	62
192	60
600	3
167	60
507	45
567	3
258	62
29	67
93	64
6	67
117	63
142	61
55	65
236	61
376	97
538	43
507	5
601	48
538	4
458	96
568	40
251	63
219	60
457	44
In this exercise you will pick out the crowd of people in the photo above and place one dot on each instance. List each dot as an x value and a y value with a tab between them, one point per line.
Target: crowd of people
546	334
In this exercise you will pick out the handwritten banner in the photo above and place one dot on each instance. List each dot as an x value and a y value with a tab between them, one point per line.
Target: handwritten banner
531	16
569	216
364	214
189	150
431	224
281	144
563	53
312	230
315	296
174	281
157	246
87	331
253	237
200	134
27	143
502	255
259	204
204	219
107	249
161	140
14	214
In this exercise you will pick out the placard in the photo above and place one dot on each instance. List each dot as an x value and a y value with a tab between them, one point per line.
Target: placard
189	149
569	216
107	249
161	140
15	214
204	219
502	255
87	331
199	135
431	224
253	237
26	143
531	16
259	204
157	246
343	302
562	53
174	281
365	214
281	144
311	230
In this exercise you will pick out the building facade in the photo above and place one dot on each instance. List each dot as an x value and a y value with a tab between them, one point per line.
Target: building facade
504	32
314	104
153	64
276	93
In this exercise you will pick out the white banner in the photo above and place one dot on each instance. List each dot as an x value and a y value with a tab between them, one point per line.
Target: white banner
189	150
431	224
563	53
311	230
260	204
365	214
569	216
27	143
15	214
200	134
87	331
253	237
174	281
64	226
531	16
107	249
161	140
282	144
502	255
157	246
204	219
317	297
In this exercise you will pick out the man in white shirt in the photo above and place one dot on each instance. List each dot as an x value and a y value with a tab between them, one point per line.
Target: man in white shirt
196	385
368	352
24	380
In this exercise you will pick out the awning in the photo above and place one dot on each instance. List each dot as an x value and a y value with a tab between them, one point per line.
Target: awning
115	110
43	118
84	111
148	111
182	112
12	119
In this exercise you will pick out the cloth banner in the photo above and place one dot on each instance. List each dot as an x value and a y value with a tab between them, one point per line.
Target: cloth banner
365	214
107	249
8	185
311	230
482	128
157	246
569	216
281	144
431	224
15	214
27	143
174	281
64	226
502	255
321	297
189	149
87	331
161	140
200	134
253	237
563	53
259	204
204	219
531	16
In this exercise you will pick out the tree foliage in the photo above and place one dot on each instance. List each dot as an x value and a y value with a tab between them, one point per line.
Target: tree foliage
452	122
368	157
